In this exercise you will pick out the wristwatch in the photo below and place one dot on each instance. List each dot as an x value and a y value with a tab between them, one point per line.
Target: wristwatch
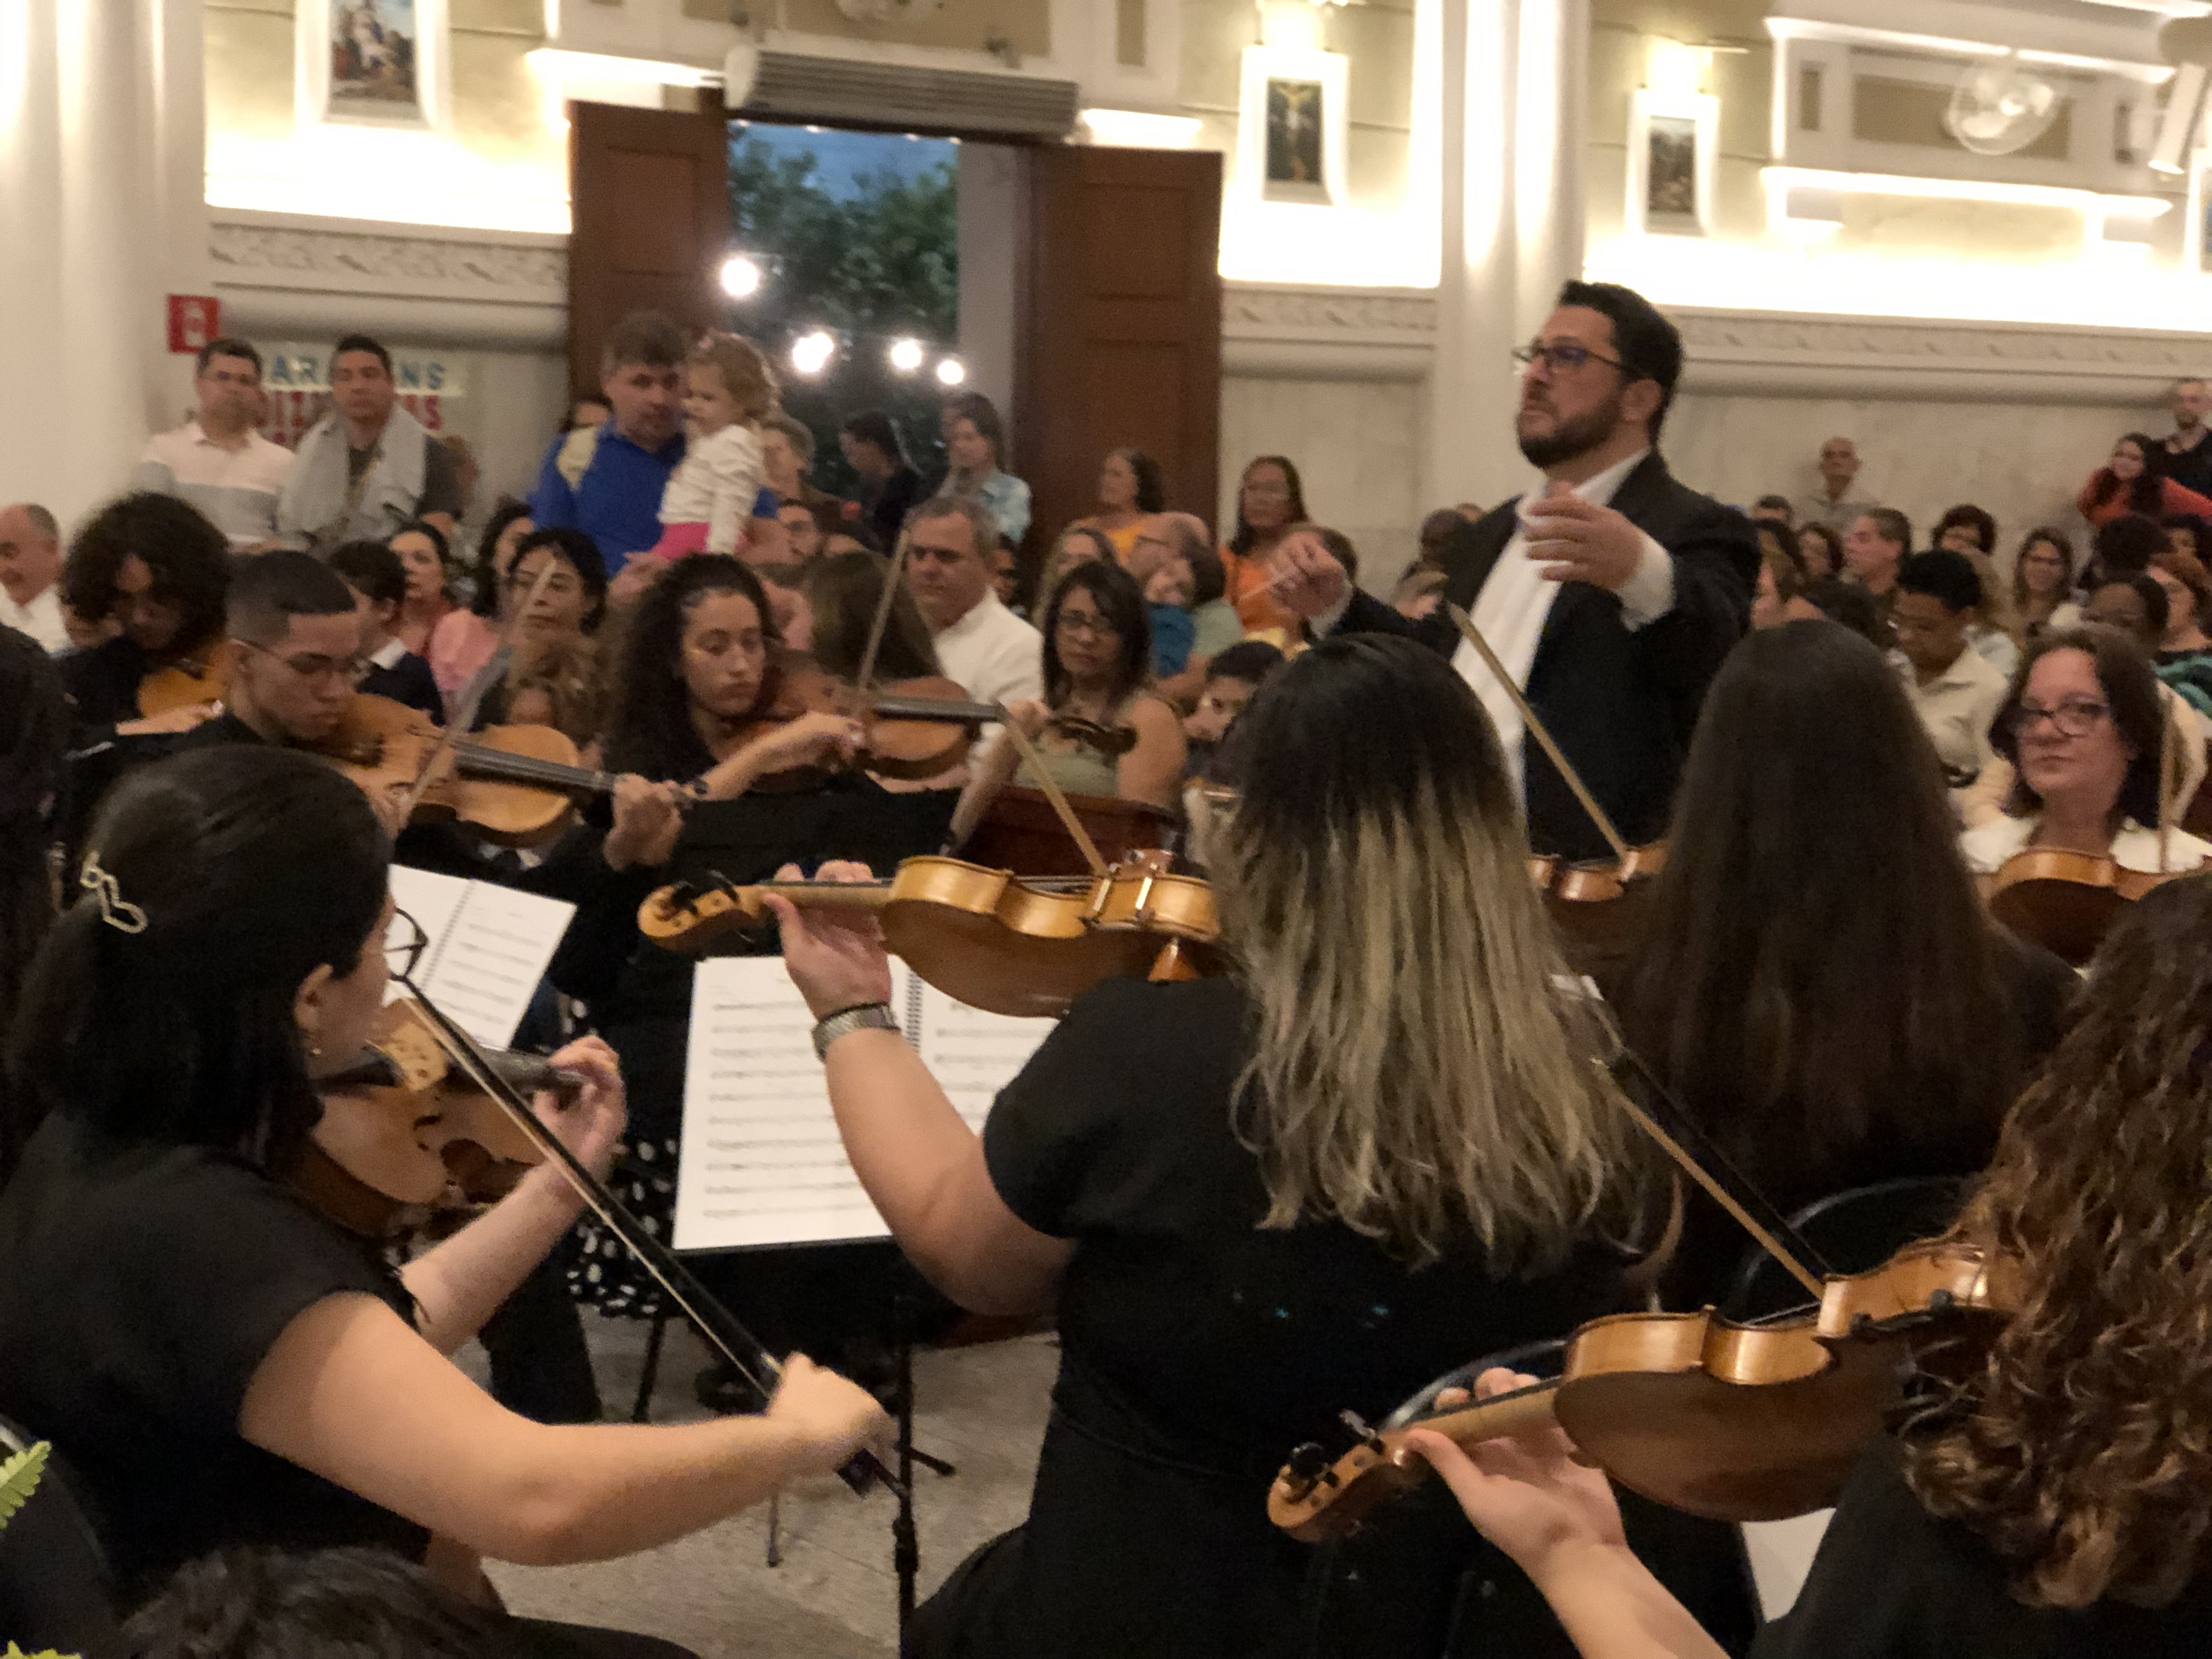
868	1017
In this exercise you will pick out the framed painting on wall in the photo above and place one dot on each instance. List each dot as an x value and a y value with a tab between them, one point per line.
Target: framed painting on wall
1672	143
1291	122
380	61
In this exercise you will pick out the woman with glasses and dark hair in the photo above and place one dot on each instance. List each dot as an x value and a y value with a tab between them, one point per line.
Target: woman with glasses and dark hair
222	1362
2084	727
1822	549
1270	503
2042	585
1098	667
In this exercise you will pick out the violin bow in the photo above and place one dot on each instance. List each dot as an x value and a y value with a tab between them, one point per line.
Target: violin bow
479	686
1536	729
753	1362
1068	821
881	621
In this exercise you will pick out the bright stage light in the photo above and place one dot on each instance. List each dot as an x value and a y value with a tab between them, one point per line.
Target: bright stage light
951	371
905	355
811	353
741	276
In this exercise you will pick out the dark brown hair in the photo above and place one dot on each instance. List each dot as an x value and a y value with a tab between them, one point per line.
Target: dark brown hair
2131	688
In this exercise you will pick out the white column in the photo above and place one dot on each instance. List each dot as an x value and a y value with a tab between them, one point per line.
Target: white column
99	169
1516	74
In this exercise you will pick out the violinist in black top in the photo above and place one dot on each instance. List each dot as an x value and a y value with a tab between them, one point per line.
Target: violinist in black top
1610	594
222	1362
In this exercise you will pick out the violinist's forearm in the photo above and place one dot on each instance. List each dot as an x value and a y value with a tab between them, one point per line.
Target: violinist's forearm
461	1283
1614	1608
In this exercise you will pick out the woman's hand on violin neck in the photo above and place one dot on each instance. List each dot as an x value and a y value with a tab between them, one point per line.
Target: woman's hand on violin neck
827	1418
648	819
834	956
1032	717
591	1127
1526	1495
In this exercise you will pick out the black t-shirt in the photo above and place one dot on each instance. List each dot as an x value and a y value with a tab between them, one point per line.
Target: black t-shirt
1893	1582
441	479
1197	1349
409	682
2193	468
144	1284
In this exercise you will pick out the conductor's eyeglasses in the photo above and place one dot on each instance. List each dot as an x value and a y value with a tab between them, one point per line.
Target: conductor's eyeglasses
1561	356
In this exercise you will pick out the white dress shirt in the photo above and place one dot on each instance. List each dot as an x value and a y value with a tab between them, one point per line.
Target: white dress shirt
1988	845
1515	600
41	618
994	655
236	489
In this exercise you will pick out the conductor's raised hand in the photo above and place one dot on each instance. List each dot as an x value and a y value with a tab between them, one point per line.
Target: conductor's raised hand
1527	1494
834	955
1305	577
1574	541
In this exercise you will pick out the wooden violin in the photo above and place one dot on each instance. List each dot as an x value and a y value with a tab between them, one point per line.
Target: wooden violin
986	937
2065	900
1727	1421
204	677
514	784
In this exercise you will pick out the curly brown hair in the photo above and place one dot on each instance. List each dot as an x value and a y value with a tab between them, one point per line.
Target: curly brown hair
2081	1451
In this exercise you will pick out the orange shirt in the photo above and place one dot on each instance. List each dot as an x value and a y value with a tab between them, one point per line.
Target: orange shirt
1248	591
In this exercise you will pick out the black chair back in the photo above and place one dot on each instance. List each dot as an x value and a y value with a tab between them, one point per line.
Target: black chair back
56	1588
1855	1233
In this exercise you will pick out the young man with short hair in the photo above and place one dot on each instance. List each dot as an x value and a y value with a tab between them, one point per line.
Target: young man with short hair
378	582
369	468
1954	689
217	461
298	632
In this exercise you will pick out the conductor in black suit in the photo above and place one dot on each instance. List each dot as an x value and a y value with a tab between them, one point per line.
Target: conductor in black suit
1610	593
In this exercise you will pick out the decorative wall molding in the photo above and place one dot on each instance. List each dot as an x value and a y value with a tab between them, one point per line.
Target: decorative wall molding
1272	331
289	273
1781	354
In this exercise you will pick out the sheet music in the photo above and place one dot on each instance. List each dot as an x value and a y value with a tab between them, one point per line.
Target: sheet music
488	947
760	1160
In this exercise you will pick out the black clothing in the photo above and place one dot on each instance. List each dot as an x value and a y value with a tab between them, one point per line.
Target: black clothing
408	681
1893	1582
2191	469
103	682
441	478
886	505
1196	1349
224	728
1621	704
144	1285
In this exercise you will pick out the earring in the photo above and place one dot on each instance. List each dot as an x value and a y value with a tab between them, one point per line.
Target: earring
314	1049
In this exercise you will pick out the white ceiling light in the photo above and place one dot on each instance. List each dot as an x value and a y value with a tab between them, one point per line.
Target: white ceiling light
951	371
741	276
810	352
905	354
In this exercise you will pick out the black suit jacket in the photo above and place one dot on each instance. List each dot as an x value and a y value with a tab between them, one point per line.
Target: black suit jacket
1620	703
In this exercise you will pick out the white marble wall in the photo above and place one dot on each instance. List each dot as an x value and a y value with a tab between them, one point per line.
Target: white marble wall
2021	461
1357	444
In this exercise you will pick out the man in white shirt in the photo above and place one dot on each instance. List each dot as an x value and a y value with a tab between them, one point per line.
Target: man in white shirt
1610	593
1835	504
1954	689
31	575
218	462
994	655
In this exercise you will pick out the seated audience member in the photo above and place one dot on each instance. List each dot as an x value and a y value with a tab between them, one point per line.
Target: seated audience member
1843	601
715	493
2188	533
222	1362
1418	591
1952	687
2042	585
31	576
1097	666
2084	726
216	461
423	551
1874	547
1270	503
1280	1125
1965	529
1435	530
368	467
1774	509
1779	595
607	480
157	568
1188	574
890	487
1130	489
976	450
805	529
1822	549
1813	897
464	640
2134	481
558	615
354	1603
2123	546
2185	651
1232	676
1079	545
1005	575
378	582
787	451
2139	606
1992	631
2056	1499
992	653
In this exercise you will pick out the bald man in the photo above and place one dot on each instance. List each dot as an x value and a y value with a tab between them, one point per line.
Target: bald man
30	575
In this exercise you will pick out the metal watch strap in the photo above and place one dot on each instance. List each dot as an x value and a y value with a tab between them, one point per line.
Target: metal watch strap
868	1017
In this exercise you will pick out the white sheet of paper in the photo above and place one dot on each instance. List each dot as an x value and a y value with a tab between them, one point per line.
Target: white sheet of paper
488	947
760	1160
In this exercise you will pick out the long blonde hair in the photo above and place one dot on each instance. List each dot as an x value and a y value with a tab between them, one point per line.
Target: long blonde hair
1422	1072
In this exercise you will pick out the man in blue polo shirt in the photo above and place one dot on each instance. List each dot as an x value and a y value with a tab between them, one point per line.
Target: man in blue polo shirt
606	481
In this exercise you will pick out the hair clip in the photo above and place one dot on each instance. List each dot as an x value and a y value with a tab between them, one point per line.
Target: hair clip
115	910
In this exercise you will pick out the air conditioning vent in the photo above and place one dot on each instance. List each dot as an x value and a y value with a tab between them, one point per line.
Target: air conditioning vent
797	86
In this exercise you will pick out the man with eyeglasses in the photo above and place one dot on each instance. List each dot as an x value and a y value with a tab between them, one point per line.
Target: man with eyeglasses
1609	592
298	631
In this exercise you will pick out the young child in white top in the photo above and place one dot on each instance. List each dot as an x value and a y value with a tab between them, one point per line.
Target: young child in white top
710	495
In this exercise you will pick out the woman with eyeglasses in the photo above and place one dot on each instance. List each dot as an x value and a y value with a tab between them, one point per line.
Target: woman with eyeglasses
1270	503
222	1362
2084	729
2042	585
1098	667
